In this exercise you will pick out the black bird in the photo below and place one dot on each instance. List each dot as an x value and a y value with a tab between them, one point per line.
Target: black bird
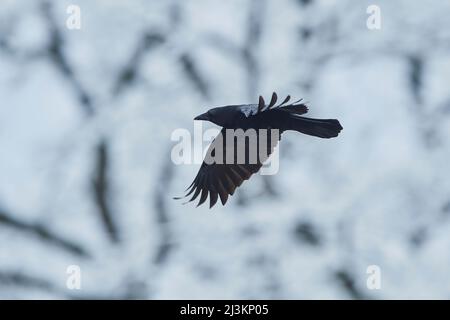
220	178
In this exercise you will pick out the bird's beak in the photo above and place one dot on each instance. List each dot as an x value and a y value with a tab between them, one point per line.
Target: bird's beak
203	116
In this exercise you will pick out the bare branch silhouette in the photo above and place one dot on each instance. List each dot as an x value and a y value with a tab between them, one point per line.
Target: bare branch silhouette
348	283
101	189
42	233
162	215
23	280
55	52
14	278
127	75
192	72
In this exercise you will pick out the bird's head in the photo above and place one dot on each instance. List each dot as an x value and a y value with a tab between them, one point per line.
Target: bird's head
222	116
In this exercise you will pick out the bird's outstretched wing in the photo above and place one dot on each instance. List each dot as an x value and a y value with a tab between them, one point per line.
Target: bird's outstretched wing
220	180
261	108
295	107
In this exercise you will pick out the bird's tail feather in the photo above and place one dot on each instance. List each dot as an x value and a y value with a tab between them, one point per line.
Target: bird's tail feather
322	128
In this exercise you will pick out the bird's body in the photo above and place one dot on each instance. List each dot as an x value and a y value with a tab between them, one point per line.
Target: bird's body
221	178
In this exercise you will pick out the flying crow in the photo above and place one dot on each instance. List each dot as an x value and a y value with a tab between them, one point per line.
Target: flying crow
221	178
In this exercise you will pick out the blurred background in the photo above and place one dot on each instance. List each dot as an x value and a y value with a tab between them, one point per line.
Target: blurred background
86	177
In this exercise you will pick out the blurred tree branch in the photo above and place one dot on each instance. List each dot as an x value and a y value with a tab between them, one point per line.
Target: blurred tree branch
55	51
128	73
18	279
42	233
348	283
162	215
101	184
192	72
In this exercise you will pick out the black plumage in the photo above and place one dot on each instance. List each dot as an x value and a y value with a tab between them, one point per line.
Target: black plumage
220	179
